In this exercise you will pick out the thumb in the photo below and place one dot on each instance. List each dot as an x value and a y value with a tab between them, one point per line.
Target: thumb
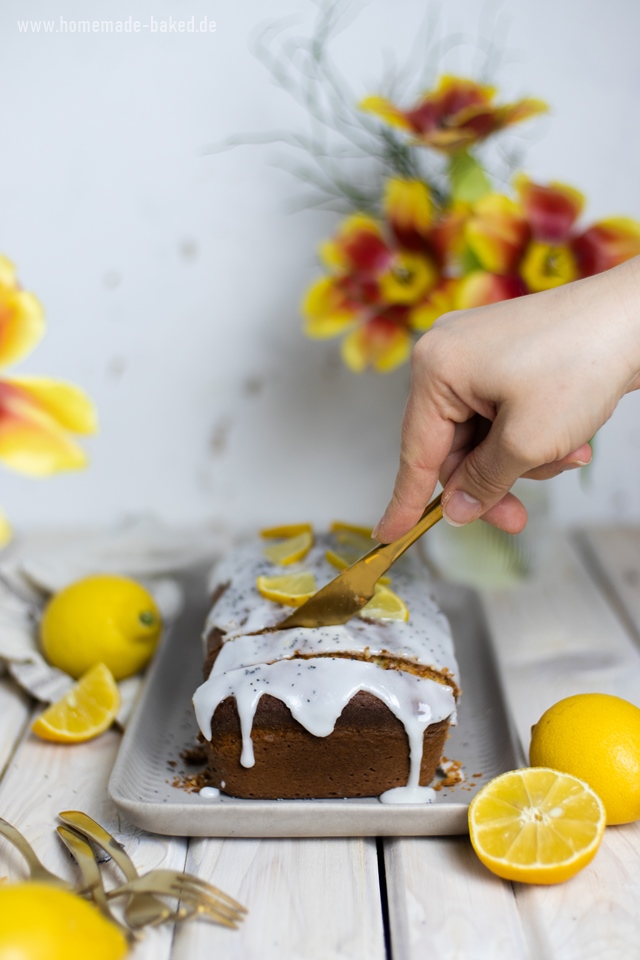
482	480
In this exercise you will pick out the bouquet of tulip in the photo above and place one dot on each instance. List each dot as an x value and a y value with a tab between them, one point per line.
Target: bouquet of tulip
451	242
37	415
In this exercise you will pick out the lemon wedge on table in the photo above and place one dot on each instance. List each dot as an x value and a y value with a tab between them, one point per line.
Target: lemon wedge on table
291	589
284	552
596	737
101	619
88	709
40	922
536	825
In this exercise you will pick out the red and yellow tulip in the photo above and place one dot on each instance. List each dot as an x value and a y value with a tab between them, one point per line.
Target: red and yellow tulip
455	115
37	415
385	280
535	241
462	247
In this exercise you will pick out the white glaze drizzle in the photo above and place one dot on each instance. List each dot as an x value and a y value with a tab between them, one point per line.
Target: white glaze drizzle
316	692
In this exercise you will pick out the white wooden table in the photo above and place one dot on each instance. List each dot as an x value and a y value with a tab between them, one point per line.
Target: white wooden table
574	627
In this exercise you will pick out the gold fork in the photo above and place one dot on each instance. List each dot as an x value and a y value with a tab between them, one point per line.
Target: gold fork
347	594
91	877
37	870
211	902
144	908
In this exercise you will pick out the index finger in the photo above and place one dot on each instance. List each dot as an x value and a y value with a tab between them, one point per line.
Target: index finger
427	438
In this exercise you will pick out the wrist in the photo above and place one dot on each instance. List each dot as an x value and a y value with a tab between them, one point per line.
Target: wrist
621	313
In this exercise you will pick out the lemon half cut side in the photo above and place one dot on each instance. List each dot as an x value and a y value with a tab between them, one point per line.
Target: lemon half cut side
536	825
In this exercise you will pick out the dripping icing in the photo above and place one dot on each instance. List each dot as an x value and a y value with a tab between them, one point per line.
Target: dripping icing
316	692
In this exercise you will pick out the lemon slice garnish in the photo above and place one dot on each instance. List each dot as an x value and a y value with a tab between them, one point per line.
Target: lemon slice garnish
285	530
343	560
385	605
291	589
290	550
536	825
339	527
89	708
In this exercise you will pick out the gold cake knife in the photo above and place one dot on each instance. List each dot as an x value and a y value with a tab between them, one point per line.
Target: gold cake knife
347	594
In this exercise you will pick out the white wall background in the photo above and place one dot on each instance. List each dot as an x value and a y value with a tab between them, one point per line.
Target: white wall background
171	276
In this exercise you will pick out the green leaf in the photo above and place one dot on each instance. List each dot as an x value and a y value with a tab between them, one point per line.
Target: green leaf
469	182
469	261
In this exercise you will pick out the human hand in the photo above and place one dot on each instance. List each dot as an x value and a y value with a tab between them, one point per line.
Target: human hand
514	389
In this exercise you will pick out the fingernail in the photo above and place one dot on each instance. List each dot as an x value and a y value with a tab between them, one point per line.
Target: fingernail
581	463
460	508
376	530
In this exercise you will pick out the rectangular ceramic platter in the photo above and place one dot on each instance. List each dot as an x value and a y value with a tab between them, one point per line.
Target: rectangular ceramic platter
163	725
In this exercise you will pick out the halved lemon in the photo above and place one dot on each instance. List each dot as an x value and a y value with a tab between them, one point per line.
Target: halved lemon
346	559
285	530
338	526
292	589
89	708
385	605
284	552
536	825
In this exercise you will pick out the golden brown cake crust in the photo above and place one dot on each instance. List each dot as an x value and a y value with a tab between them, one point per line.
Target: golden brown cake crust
367	753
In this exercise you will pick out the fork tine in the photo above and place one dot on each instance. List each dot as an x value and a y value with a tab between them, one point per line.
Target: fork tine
172	887
214	901
210	889
162	881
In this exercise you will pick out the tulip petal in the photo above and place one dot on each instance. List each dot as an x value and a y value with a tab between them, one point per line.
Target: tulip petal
551	210
409	209
65	403
545	266
380	343
497	233
410	276
521	110
326	310
606	244
21	324
8	275
439	301
454	94
31	440
6	533
385	110
479	288
447	236
358	246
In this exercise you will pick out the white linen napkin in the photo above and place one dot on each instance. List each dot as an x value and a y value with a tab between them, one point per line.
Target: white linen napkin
142	548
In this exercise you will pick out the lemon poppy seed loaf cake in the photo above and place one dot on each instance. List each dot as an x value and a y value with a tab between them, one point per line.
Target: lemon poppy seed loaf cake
356	710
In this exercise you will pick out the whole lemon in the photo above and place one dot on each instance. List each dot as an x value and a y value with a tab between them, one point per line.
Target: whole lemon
595	737
101	619
40	922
